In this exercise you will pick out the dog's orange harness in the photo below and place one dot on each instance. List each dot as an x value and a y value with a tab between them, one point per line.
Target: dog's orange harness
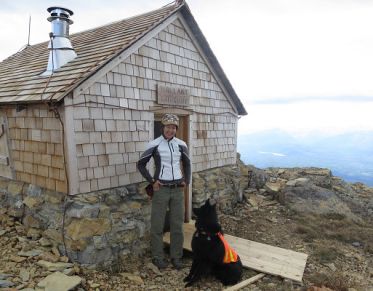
230	255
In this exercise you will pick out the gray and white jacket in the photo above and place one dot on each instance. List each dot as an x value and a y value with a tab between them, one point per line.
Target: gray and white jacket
167	155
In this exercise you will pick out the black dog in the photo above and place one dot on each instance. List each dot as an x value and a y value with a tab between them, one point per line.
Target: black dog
211	253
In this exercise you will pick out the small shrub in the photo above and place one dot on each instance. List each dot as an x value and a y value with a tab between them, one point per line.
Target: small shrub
326	254
302	229
335	281
368	248
308	233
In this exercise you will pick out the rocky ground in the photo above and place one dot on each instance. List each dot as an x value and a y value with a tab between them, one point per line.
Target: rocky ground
334	228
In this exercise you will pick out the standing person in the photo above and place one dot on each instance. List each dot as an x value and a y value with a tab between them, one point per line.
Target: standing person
168	183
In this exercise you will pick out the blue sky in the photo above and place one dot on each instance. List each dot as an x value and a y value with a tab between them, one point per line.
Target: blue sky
298	65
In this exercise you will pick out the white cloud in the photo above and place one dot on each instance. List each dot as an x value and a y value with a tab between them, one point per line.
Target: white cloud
323	117
294	48
268	49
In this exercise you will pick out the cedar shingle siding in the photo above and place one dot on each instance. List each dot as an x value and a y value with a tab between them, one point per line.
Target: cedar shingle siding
36	147
107	99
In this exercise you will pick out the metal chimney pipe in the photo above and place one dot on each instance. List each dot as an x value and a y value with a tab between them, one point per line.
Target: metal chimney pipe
60	48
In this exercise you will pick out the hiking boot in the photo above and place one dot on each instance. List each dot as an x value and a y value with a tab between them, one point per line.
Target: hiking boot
177	263
160	263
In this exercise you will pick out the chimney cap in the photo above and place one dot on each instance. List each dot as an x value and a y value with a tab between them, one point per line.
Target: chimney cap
50	9
58	12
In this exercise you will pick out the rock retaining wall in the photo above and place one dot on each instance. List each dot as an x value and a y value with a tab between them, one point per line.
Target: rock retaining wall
94	228
99	227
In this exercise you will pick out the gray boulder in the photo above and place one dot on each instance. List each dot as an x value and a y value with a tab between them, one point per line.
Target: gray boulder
257	177
310	198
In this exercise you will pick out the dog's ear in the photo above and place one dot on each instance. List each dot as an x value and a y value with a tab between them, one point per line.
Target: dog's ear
212	201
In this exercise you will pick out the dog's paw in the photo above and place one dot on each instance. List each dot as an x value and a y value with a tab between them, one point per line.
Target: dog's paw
188	285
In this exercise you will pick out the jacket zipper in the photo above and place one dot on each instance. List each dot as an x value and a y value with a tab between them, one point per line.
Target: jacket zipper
162	171
172	163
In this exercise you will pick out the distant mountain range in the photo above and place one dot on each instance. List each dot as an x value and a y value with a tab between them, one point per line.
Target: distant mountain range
349	156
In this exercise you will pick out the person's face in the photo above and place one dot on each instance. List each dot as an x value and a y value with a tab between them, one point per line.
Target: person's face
169	131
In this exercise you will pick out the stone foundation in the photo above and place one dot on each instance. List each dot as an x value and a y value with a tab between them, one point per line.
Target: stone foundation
99	227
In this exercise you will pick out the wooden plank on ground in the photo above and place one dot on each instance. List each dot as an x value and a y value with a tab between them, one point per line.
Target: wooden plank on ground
244	283
258	256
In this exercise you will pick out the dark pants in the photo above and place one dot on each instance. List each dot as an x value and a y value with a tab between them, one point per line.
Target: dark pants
172	198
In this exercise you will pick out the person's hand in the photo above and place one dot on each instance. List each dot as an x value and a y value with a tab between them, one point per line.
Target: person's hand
183	184
156	185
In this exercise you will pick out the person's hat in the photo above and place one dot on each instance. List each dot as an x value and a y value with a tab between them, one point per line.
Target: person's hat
168	119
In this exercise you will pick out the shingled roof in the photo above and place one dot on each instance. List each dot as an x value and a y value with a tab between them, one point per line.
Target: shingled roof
21	82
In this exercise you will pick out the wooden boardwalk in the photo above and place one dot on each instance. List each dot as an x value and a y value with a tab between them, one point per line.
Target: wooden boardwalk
261	257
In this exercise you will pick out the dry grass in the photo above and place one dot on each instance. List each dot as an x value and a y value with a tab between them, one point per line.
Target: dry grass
326	254
308	233
333	216
334	226
335	281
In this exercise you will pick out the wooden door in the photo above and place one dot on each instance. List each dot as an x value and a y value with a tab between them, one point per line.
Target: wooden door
183	133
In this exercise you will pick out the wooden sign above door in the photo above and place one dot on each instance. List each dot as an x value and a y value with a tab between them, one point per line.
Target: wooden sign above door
168	95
